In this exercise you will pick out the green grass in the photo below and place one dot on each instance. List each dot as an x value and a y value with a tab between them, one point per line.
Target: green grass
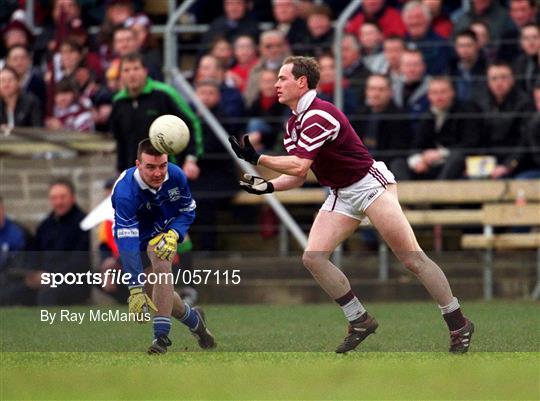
276	352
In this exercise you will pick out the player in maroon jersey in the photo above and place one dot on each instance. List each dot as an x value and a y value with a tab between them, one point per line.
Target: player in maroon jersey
320	137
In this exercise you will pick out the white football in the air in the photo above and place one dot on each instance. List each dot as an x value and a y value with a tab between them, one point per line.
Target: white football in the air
169	134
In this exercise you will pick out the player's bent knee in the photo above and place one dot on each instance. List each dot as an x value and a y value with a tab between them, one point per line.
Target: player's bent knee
312	260
413	261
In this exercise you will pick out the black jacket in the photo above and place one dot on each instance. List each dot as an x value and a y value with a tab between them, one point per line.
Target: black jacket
393	135
527	72
503	123
275	116
460	130
61	245
131	119
27	111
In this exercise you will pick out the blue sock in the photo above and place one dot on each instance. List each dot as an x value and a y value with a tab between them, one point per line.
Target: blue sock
190	318
162	326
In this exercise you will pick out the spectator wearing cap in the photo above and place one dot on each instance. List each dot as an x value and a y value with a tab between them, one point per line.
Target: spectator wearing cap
386	17
420	35
17	109
234	23
70	112
31	79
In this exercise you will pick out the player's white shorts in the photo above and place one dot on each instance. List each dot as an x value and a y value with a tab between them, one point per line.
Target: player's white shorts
353	200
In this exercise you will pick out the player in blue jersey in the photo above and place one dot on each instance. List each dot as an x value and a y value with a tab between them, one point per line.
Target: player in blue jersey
153	212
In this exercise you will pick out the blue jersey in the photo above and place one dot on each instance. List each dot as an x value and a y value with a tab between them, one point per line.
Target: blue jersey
141	212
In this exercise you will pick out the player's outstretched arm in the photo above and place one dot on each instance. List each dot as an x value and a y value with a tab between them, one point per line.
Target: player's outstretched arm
285	182
289	165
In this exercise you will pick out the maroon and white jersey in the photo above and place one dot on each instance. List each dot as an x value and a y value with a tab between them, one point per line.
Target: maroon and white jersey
77	116
319	131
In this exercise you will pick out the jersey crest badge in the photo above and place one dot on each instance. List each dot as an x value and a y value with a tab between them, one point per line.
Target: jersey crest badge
174	194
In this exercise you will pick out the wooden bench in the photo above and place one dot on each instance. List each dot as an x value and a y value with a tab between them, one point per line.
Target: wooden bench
425	193
422	195
505	215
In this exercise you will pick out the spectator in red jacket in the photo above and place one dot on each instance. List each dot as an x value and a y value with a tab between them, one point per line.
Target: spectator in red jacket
388	18
441	24
245	54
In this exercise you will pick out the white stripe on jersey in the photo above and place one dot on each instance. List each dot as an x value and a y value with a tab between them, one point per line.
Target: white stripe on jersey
324	114
287	140
323	135
312	147
290	147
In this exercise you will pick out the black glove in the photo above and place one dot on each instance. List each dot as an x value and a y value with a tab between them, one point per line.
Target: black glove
256	185
246	152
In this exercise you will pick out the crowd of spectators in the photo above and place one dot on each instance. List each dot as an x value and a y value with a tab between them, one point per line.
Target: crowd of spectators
426	83
485	53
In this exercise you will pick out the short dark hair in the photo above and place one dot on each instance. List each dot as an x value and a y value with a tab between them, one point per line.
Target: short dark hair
385	77
321	10
442	78
67	84
73	44
64	181
305	66
209	82
145	146
131	58
500	63
467	33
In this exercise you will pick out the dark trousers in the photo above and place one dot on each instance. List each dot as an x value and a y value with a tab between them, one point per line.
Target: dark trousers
452	169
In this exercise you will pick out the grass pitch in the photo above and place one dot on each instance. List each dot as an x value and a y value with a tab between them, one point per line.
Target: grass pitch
275	352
